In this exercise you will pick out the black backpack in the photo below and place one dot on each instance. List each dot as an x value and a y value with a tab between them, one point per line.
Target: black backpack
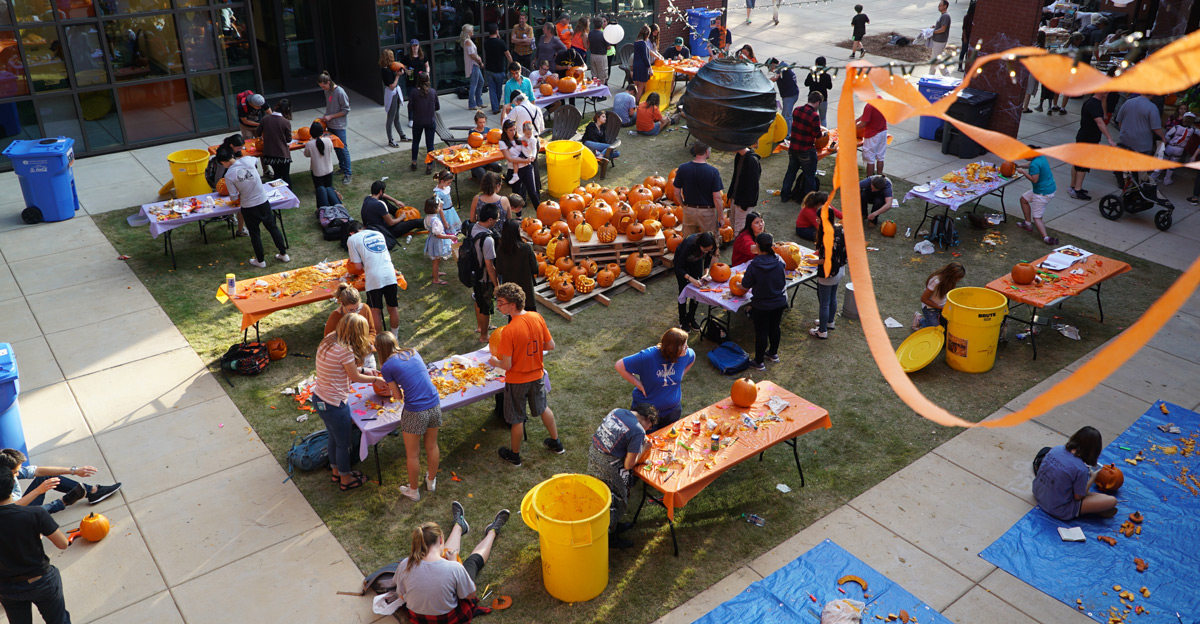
245	358
471	268
838	256
942	232
333	220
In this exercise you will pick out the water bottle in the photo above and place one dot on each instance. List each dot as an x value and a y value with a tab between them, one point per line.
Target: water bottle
908	233
230	285
754	519
408	239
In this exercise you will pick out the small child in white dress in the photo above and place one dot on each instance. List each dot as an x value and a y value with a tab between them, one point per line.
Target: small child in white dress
438	245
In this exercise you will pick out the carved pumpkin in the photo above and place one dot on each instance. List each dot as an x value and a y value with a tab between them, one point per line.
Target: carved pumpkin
583	232
605	278
785	252
545	89
475	140
673	240
1023	273
599	213
589	266
584	284
571	201
623	215
822	141
381	388
560	228
639	264
578	270
578	74
551	80
608	195
541	236
655	180
493	136
567	85
558	247
276	349
93	527
744	393
640	194
494	341
552	274
888	229
653	227
1008	168
726	233
304	134
574	218
549	211
667	218
593	189
565	292
1110	478
635	231
735	285
529	225
607	233
719	272
645	210
564	264
614	268
222	188
408	213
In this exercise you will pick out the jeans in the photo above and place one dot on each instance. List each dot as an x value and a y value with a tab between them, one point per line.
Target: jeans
822	109
325	180
657	128
803	162
826	305
326	196
870	201
789	104
496	82
666	418
343	153
416	139
930	317
340	426
475	91
262	214
64	485
393	120
599	148
807	233
526	60
527	185
280	170
687	311
766	332
47	593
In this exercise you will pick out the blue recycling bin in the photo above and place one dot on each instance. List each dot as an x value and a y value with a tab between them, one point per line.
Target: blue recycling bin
12	435
934	88
700	23
44	167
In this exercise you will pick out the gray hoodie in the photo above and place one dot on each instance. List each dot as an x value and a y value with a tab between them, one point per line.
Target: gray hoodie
337	101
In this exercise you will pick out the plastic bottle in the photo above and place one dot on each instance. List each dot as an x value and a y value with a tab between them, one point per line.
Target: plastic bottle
408	239
230	285
754	519
908	233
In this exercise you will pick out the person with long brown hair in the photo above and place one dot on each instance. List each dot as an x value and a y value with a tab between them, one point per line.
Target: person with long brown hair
656	374
423	105
340	359
642	60
1063	477
407	377
435	586
937	286
393	95
276	132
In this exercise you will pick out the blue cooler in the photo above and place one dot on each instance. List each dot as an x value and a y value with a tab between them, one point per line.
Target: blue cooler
47	180
934	88
12	435
700	23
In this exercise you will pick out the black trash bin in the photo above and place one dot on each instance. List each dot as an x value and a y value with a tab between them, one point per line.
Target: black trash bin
975	107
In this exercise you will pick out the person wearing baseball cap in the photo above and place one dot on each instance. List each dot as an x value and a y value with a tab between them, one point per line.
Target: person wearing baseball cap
251	113
416	61
677	51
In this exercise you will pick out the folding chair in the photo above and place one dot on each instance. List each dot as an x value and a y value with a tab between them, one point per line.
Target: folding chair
443	132
566	123
625	54
612	133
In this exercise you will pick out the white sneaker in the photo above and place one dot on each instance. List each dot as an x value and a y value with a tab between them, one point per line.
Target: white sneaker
244	232
258	263
410	493
283	257
431	484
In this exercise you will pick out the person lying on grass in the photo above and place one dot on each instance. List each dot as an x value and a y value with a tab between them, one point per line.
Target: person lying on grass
1063	478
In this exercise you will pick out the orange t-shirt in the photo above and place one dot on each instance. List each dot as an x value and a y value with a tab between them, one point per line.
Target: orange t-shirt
564	33
523	339
579	40
646	117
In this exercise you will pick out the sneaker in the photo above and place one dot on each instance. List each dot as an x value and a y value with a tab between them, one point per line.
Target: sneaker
1072	193
1050	240
1167	181
554	445
283	257
1025	225
828	326
74	495
619	542
773	357
498	522
102	492
1082	194
393	144
1193	200
258	263
1062	111
758	365
431	484
346	179
409	493
1027	110
507	455
1039	108
244	232
818	333
460	516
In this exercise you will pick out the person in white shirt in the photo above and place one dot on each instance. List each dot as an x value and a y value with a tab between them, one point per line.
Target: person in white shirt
522	110
369	255
539	76
241	177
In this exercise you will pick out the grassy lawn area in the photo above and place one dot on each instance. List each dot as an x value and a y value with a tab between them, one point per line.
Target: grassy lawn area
874	433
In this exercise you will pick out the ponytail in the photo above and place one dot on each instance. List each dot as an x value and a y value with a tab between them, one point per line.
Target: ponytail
316	130
424	537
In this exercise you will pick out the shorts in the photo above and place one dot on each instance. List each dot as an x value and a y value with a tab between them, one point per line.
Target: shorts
473	564
858	36
749	4
417	423
485	299
517	395
1080	169
377	297
874	148
1037	203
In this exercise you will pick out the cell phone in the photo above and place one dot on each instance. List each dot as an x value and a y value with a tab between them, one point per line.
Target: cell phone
319	405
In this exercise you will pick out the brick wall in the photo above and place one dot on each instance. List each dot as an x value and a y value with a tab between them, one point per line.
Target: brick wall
679	27
1004	25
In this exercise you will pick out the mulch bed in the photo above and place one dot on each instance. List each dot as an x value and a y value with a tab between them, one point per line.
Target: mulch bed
877	45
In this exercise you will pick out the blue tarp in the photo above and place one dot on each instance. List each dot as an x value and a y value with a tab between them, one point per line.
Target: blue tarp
1170	540
784	597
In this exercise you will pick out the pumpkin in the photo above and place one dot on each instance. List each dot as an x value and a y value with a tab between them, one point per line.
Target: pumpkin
475	140
567	85
822	141
529	225
735	285
276	349
222	188
564	264
784	251
608	195
659	62
578	74
671	176
644	210
678	212
493	136
560	228
1008	168
667	218
584	284
719	272
1023	273
574	218
673	240
1136	517
607	233
494	341
381	388
655	180
551	273
635	232
565	292
726	233
396	66
558	247
614	268
590	266
639	264
1110	478
541	236
318	120
622	193
605	278
584	194
623	215
408	213
888	229
653	227
93	527
593	189
578	270
549	211
640	194
546	89
744	393
583	232
599	213
551	80
304	134
542	267
571	201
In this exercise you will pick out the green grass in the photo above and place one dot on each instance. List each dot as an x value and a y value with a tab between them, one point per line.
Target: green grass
874	434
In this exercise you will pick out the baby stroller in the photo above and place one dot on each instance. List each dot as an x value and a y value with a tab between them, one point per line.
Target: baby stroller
1137	194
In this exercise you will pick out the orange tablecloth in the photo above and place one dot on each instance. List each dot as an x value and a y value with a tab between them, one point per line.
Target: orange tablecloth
488	154
686	67
296	144
831	147
1096	269
680	484
262	301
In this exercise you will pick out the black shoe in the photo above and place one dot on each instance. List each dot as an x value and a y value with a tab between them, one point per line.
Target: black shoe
507	455
773	357
456	510
693	326
393	143
413	166
74	495
758	365
498	523
554	445
619	542
102	492
403	137
1082	194
1193	200
622	527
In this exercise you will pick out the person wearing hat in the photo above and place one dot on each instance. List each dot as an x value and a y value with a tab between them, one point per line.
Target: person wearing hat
251	114
414	60
785	79
677	51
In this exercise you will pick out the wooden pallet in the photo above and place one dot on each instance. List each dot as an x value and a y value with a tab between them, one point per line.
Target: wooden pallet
568	309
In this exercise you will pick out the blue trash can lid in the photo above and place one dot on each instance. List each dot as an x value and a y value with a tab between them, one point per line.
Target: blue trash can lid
948	82
40	147
8	363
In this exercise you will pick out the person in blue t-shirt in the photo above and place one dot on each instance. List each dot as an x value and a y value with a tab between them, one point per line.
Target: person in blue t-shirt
1063	478
1033	202
408	379
618	446
657	375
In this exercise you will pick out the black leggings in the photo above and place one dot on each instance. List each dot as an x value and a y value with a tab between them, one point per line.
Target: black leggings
473	564
687	311
280	169
527	184
766	332
262	213
416	139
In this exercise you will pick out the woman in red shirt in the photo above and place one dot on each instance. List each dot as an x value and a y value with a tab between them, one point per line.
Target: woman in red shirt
650	120
745	246
806	222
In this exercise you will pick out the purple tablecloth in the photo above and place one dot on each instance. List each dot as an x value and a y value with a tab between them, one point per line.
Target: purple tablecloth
382	424
959	196
596	91
287	200
724	299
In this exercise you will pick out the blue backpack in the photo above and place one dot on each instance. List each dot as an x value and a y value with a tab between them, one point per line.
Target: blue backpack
310	452
729	358
942	232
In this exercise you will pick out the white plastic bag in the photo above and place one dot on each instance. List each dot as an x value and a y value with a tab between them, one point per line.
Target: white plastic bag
843	611
387	604
924	247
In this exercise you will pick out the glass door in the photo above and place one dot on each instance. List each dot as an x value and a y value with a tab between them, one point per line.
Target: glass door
299	44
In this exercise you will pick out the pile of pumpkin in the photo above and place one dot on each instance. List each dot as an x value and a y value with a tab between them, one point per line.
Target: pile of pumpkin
475	140
789	252
574	79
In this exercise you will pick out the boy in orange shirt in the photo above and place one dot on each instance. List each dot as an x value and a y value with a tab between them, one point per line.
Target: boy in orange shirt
519	353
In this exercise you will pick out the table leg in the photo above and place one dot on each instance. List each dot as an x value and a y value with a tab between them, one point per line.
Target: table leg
923	218
1099	303
670	523
282	228
169	248
639	509
457	198
378	469
795	454
203	231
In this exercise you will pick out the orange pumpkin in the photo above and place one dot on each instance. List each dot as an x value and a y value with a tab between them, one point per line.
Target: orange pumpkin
494	341
888	229
93	527
622	217
635	232
743	393
646	210
1008	168
1023	273
614	268
566	291
608	195
593	189
1110	478
408	213
671	176
653	227
659	62
667	219
584	284
622	193
719	272
589	266
605	278
656	192
571	201
599	213
567	85
558	247
381	388
678	212
546	89
541	236
607	233
397	66
560	228
564	264
530	225
542	267
639	264
726	233
551	273
222	188
577	271
493	136
673	240
584	194
475	140
304	134
584	232
640	194
549	211
276	349
735	285
318	120
655	180
578	74
822	141
551	80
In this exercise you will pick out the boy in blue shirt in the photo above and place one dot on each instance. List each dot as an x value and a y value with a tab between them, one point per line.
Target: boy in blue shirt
1033	202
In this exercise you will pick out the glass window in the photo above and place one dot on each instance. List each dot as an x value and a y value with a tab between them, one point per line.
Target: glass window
448	66
300	38
416	20
18	122
12	70
43	55
33	11
5	20
389	19
239	81
100	121
59	118
209	101
87	56
190	3
196	35
143	47
117	7
234	35
75	9
632	15
156	110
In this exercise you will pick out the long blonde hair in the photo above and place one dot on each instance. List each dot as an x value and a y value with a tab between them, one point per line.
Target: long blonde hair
353	332
424	538
386	346
347	295
465	34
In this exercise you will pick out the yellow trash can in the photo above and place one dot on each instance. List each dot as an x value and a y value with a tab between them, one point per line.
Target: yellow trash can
564	161
662	81
776	133
570	514
973	318
187	170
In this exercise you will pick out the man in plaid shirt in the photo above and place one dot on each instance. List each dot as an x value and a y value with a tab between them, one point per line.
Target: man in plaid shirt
802	151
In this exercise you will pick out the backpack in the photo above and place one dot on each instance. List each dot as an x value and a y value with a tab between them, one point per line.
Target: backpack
729	358
310	452
241	101
942	232
245	358
471	268
838	256
210	172
333	220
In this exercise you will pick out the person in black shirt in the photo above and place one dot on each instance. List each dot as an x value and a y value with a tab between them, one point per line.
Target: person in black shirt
26	576
392	95
677	51
496	58
376	215
743	187
414	60
1091	128
820	82
859	22
598	50
566	60
692	258
697	188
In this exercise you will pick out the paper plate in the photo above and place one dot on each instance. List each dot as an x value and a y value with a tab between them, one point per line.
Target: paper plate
921	348
944	194
921	188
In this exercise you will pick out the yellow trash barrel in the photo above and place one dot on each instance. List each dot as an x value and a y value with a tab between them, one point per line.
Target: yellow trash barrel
187	170
662	81
564	160
776	133
973	318
570	514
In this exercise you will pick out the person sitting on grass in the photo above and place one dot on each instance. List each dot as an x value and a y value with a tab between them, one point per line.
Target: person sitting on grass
1033	201
806	221
933	299
650	120
435	586
1063	478
46	478
618	446
379	213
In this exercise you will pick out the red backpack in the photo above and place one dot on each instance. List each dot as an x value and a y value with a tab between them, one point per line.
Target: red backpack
242	105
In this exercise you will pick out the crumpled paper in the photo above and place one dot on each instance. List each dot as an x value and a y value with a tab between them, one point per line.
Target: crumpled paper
777	405
924	247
